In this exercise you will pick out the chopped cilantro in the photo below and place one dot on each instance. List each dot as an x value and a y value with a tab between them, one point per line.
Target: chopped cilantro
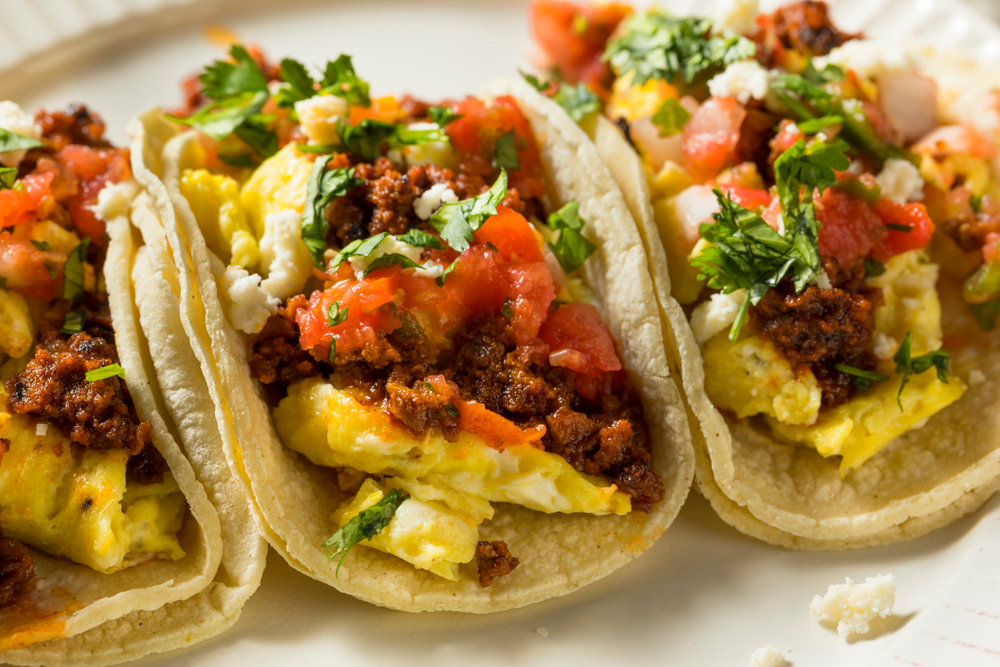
299	84
508	309
671	117
220	118
862	379
73	273
16	142
577	101
335	315
975	201
505	153
534	81
358	248
366	138
451	267
73	322
340	79
421	239
829	74
391	259
916	365
658	46
873	268
223	79
44	246
817	125
452	410
442	116
323	187
255	133
572	248
332	354
896	227
986	313
8	176
365	525
456	221
105	372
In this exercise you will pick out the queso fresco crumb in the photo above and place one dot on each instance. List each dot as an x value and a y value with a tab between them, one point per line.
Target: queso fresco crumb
853	606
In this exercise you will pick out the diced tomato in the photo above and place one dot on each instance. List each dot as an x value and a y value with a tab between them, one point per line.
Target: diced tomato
991	249
385	109
511	235
24	266
914	216
574	36
95	168
474	137
22	205
849	227
788	135
772	215
956	140
369	313
711	136
748	198
578	340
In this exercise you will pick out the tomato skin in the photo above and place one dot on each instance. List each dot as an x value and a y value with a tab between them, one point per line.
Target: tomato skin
788	135
913	215
748	198
577	53
94	168
578	328
712	133
368	314
511	235
24	265
849	227
474	137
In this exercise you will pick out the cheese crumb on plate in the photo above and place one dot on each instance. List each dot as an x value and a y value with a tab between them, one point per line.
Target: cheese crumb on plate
767	656
854	606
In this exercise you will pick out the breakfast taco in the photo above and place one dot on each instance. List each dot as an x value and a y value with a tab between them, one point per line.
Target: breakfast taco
111	543
822	218
428	330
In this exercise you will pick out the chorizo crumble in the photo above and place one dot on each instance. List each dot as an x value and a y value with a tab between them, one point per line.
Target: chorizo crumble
16	570
494	560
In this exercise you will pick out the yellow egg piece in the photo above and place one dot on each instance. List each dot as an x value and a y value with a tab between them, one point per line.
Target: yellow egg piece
278	184
632	102
16	328
215	202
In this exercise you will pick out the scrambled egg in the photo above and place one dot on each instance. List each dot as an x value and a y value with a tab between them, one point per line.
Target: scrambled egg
72	501
451	484
16	329
215	202
750	376
279	184
633	102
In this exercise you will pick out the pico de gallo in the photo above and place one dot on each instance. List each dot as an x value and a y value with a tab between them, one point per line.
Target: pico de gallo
396	271
808	196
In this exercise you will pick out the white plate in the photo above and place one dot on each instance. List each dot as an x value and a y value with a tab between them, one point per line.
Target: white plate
704	594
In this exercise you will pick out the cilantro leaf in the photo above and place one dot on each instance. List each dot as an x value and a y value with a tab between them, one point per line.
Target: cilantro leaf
220	118
658	46
255	133
829	74
452	410
74	321
577	101
862	379
335	315
332	354
8	176
671	118
224	79
391	259
986	313
442	116
340	79
505	152
73	272
534	81
15	142
366	138
908	365
105	372
358	248
323	187
456	221
300	84
572	248
421	239
873	268
451	267
365	525
508	309
817	125
43	246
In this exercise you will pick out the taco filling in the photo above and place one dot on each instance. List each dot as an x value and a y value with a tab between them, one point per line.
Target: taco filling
413	309
813	209
80	476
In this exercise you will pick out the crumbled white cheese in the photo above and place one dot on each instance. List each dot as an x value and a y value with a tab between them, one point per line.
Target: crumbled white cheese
114	199
41	429
542	632
739	16
249	305
716	314
885	346
284	255
767	656
900	181
432	199
976	377
854	606
822	280
319	116
389	246
432	269
743	80
869	58
14	120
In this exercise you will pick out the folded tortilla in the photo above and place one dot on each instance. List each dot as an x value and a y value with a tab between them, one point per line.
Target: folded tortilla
789	495
74	615
293	499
